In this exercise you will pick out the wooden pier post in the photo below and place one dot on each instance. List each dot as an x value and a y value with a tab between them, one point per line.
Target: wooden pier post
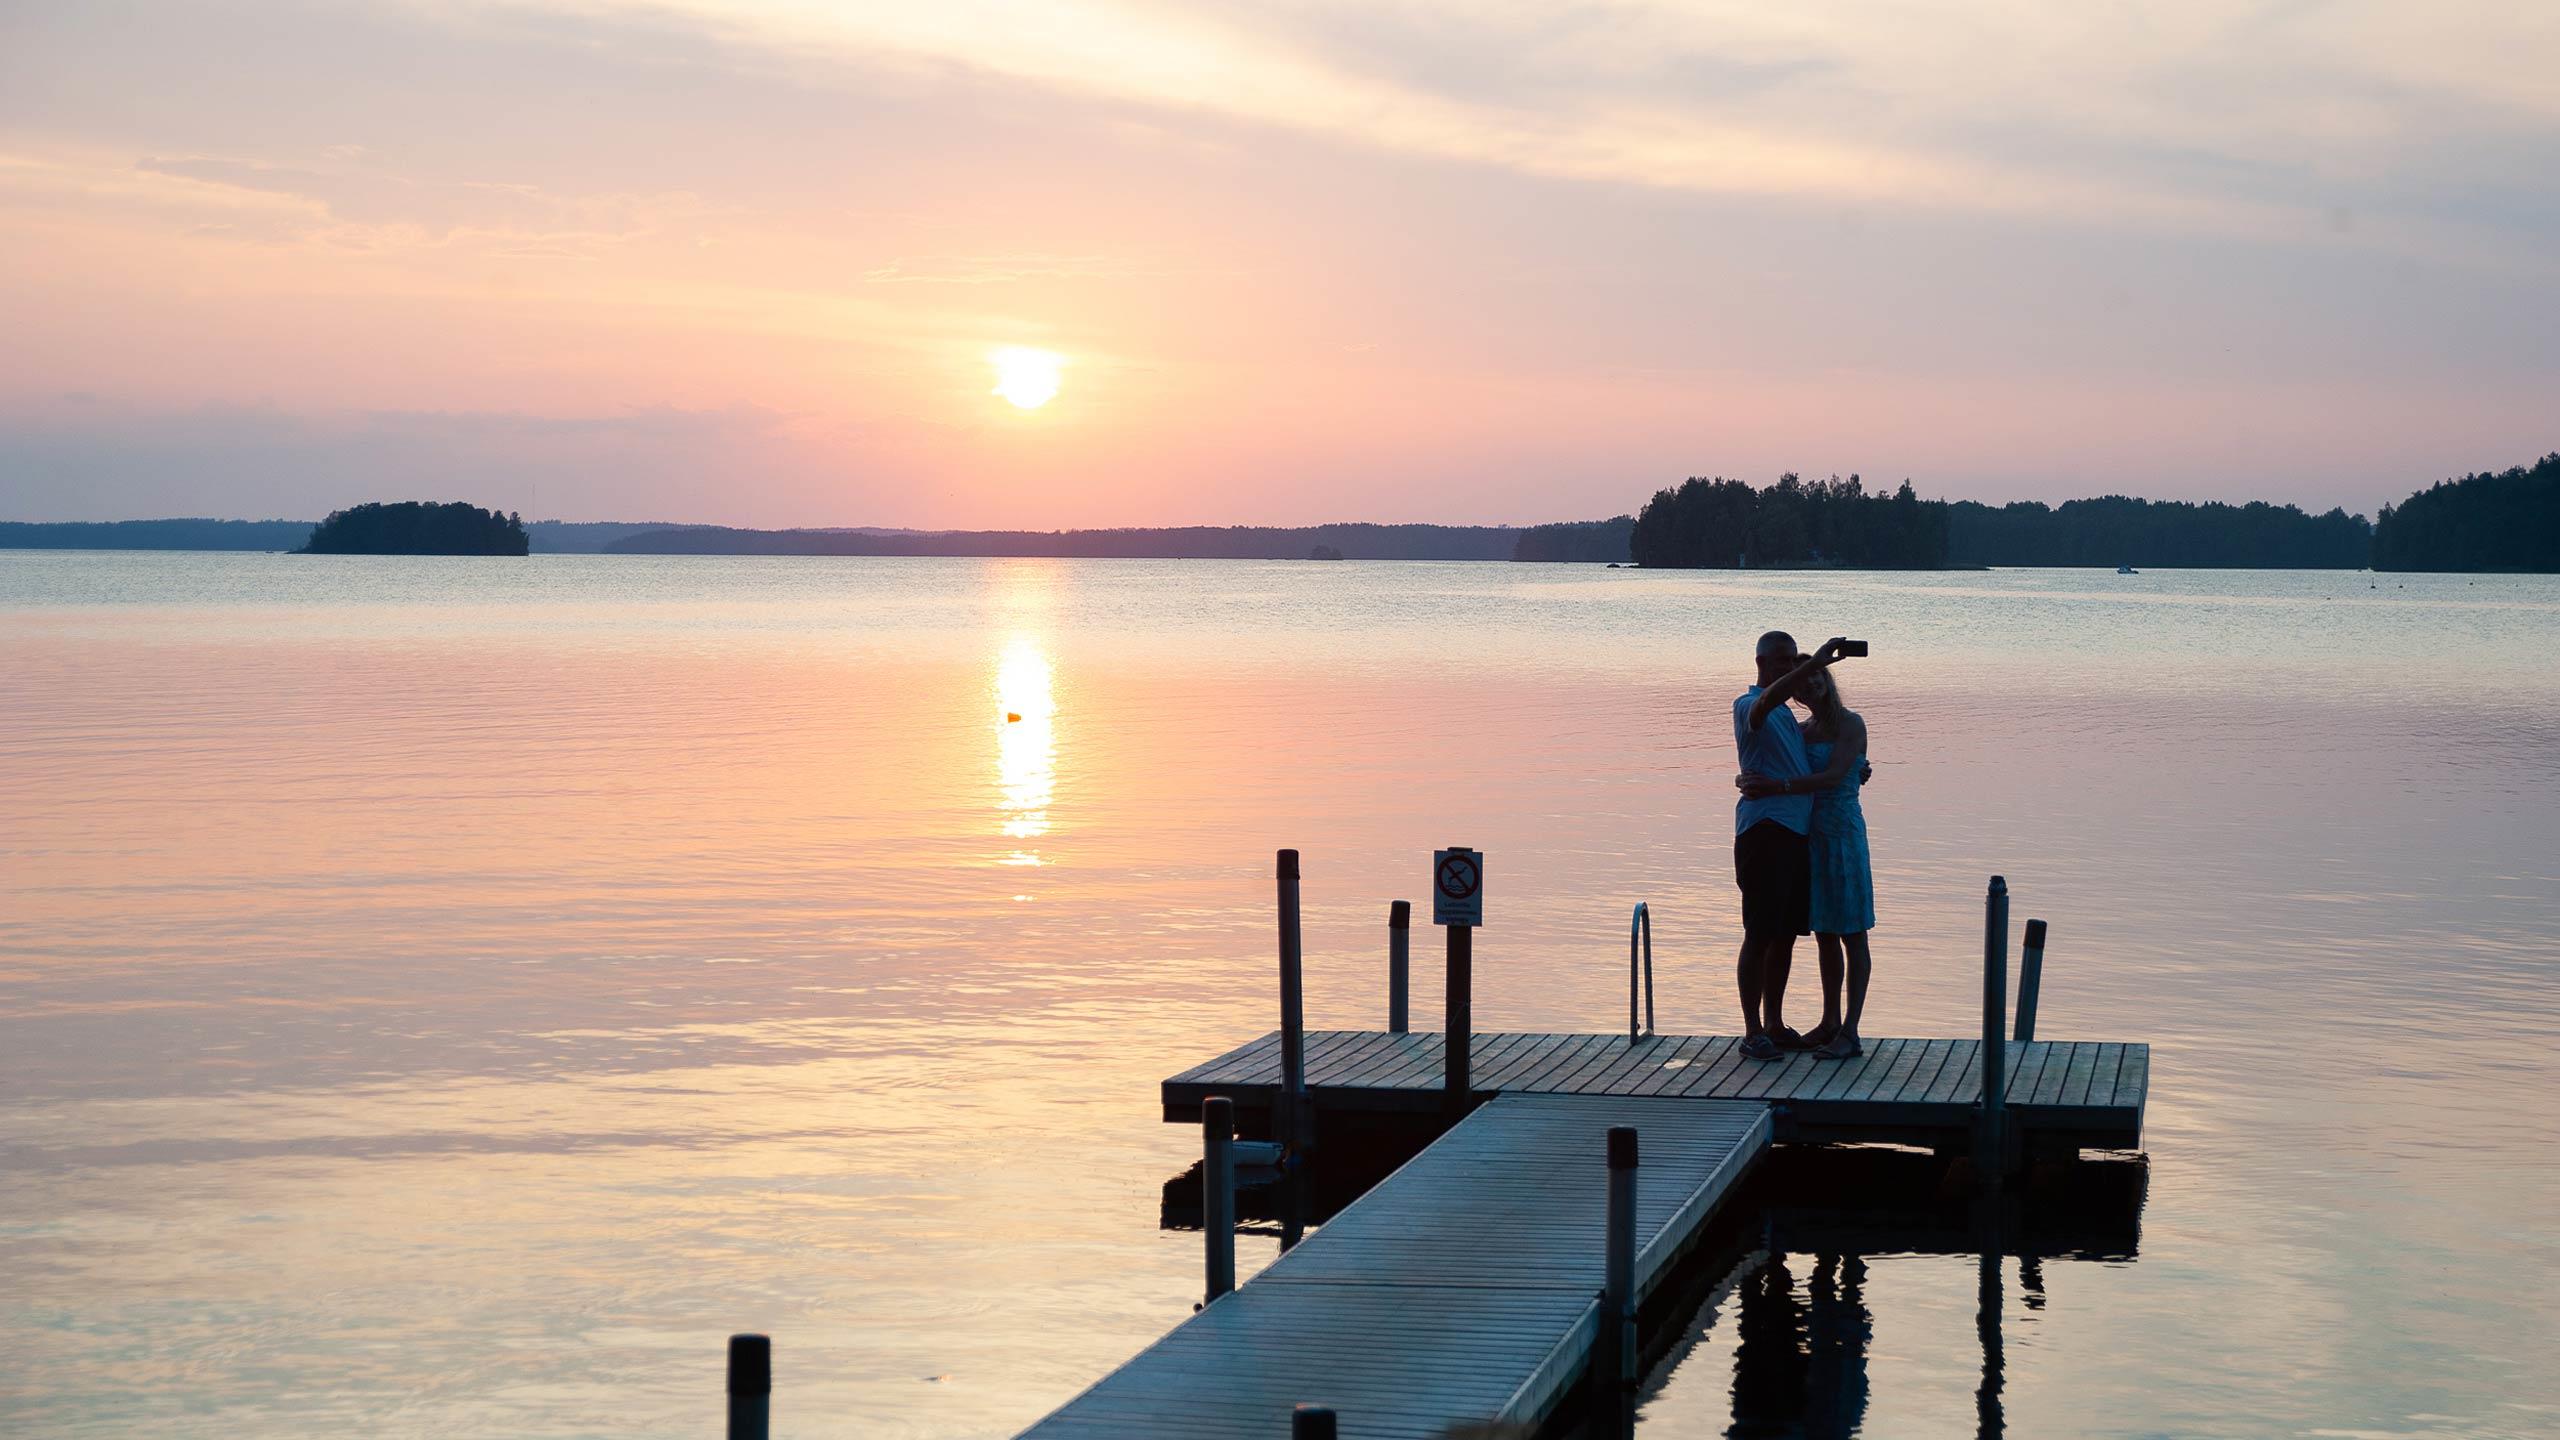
1618	1287
1311	1422
1991	1150
1218	1191
2030	979
750	1387
1290	1123
1399	965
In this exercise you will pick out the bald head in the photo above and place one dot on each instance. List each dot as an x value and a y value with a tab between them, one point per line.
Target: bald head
1777	655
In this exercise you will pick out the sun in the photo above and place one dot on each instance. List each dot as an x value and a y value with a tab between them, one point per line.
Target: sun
1027	377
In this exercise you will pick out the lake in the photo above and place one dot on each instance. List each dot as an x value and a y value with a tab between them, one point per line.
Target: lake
448	997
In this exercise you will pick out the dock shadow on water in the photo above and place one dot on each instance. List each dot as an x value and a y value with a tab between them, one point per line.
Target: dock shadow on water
1779	1279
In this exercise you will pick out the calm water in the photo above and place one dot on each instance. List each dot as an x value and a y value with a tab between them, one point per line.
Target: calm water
447	997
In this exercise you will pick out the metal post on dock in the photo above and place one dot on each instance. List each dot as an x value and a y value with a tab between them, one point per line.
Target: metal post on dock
2030	979
1991	1154
1399	965
1311	1422
1218	1191
1457	906
1460	1005
1618	1291
1293	1012
750	1387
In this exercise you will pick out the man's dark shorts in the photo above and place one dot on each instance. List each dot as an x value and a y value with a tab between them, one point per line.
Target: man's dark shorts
1775	870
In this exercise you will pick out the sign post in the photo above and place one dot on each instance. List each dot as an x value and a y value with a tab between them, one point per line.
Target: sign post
1457	903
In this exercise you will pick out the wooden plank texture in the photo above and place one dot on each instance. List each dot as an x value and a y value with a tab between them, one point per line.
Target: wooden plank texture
1460	1288
2094	1091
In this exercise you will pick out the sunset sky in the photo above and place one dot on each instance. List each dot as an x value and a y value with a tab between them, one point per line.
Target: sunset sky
753	262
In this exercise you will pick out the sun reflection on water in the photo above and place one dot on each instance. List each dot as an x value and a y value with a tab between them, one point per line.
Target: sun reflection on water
1026	743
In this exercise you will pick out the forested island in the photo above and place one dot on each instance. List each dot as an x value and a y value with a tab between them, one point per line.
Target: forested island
415	527
1726	524
1723	524
2509	521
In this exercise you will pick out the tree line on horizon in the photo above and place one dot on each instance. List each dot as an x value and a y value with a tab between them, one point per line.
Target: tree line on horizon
1725	524
1188	542
2503	521
2508	521
2111	530
2490	521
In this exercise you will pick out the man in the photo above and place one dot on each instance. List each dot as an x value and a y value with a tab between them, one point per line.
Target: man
1770	862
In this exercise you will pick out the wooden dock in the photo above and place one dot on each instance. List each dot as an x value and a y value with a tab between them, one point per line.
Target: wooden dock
1467	1286
1464	1287
2061	1093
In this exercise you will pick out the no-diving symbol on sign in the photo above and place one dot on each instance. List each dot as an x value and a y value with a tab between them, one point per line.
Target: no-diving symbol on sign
1457	887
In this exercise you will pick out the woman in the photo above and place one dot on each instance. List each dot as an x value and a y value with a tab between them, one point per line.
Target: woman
1844	898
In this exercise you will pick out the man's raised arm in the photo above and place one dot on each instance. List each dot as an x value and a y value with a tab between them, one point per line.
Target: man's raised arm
1784	688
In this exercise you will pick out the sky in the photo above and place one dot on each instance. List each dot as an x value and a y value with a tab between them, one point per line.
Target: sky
1471	261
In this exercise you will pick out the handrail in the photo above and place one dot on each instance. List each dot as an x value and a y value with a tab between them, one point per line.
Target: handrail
1640	925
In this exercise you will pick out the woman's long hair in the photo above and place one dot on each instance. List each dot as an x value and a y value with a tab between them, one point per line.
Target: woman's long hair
1826	705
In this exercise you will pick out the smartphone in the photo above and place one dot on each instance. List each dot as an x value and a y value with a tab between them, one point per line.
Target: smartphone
1857	648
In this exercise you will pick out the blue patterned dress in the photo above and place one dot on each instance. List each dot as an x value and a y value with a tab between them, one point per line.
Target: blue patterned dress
1844	889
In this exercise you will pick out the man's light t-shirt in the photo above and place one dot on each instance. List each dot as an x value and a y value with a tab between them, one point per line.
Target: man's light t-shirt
1776	750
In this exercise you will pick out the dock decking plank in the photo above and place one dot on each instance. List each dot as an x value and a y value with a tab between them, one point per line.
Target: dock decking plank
1675	1066
1923	1073
2057	1070
2091	1090
2084	1067
1890	1064
2022	1075
1527	1058
1643	1058
1961	1080
1460	1288
1564	1063
1391	1055
1724	1058
1219	1066
2133	1082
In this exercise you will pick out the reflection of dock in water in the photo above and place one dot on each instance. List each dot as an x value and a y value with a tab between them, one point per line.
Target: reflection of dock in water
1505	1274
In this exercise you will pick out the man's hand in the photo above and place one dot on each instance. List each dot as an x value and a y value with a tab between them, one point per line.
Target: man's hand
1831	649
1866	772
1758	787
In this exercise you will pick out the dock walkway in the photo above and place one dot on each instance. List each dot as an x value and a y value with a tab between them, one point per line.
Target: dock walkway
2078	1093
1464	1287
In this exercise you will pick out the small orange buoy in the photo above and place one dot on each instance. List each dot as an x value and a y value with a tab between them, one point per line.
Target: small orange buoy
1012	717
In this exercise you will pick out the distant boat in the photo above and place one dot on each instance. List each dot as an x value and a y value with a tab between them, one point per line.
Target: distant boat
2127	570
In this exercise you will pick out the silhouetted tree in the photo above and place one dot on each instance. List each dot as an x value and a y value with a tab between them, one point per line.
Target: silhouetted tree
1722	523
412	527
2508	521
